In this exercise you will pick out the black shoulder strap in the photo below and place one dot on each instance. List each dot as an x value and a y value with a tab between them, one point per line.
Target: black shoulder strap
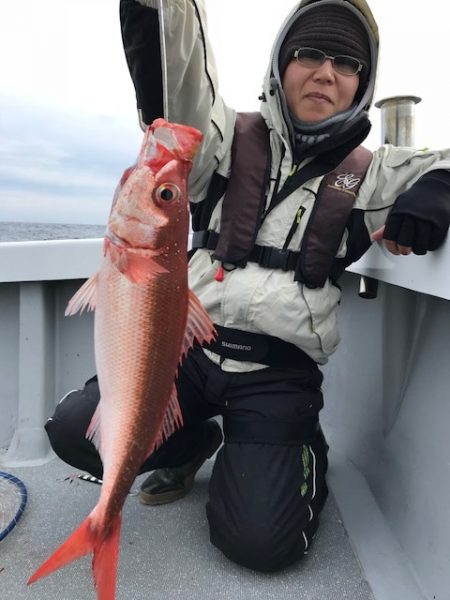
326	225
245	195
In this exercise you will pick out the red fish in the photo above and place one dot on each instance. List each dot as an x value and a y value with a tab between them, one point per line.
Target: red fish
146	319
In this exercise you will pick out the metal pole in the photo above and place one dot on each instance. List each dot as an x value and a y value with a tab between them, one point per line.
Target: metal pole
404	316
397	119
397	128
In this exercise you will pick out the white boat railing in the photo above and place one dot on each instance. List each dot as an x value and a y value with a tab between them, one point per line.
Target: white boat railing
49	260
31	273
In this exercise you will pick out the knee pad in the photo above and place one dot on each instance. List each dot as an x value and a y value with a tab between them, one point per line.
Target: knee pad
257	549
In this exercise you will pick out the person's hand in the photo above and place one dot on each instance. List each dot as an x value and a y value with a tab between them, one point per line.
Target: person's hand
420	217
404	234
390	245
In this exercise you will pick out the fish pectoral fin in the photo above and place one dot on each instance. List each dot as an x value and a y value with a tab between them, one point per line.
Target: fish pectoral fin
172	420
198	326
142	267
84	298
135	264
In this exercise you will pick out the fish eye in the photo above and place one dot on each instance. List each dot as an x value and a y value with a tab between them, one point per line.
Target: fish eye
167	192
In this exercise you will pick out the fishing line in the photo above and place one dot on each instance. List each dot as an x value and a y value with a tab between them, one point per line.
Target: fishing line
13	499
162	35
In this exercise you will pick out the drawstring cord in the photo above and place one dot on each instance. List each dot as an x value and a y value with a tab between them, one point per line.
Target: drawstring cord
220	273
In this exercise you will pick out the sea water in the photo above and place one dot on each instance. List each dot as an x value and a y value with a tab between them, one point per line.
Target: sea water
24	232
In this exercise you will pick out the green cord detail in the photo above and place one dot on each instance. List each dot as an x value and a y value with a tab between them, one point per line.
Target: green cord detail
299	215
305	460
306	469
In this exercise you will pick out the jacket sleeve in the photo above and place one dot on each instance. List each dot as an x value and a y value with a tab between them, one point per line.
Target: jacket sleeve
192	85
403	174
141	43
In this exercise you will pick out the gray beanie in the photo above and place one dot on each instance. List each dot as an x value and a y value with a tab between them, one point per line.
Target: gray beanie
333	29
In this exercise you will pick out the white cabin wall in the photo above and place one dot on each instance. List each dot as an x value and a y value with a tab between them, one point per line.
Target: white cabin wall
9	360
75	362
387	411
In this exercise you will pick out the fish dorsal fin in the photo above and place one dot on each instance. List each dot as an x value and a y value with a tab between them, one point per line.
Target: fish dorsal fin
199	325
84	298
172	420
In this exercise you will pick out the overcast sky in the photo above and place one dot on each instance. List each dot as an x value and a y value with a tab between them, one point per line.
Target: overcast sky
68	125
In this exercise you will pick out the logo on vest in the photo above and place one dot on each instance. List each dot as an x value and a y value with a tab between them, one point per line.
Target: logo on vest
346	182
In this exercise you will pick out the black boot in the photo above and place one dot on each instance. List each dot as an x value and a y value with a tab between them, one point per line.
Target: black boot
166	485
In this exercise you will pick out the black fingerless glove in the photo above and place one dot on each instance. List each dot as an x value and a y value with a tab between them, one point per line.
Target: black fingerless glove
420	217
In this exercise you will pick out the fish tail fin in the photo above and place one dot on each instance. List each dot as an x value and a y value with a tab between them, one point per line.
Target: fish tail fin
83	541
80	543
104	563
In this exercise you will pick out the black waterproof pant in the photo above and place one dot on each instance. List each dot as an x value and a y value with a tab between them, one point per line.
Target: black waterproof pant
268	483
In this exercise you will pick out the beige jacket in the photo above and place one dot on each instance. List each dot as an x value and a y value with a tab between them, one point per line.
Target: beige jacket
257	299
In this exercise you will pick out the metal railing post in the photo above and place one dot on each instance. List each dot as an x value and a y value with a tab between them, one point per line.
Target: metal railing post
397	128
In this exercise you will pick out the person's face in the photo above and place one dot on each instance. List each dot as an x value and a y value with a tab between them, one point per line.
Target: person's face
315	94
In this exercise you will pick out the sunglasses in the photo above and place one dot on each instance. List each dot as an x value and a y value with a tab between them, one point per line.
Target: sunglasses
313	59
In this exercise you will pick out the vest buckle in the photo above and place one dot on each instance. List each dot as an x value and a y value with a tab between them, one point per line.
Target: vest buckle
272	258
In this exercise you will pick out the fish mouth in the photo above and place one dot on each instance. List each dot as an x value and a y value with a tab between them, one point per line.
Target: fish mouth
124	244
117	240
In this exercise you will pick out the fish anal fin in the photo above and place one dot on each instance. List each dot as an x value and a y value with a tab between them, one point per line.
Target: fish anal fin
173	420
198	326
84	298
93	430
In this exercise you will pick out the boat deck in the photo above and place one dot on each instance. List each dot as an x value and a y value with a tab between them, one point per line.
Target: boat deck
165	551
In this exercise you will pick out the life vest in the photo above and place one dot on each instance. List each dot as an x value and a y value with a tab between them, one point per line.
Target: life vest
244	207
